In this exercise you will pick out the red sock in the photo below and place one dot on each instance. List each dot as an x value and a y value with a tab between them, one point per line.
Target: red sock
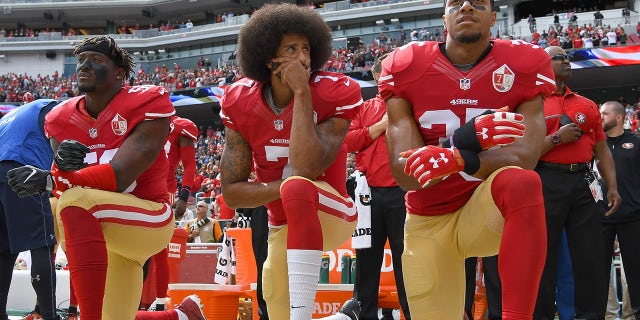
162	273
155	315
518	195
87	255
300	202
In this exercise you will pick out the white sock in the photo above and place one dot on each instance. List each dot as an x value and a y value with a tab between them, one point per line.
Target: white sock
304	271
181	315
337	316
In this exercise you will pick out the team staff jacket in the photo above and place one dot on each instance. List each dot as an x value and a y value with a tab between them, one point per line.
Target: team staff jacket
104	135
626	155
580	151
443	98
26	145
179	127
371	157
245	111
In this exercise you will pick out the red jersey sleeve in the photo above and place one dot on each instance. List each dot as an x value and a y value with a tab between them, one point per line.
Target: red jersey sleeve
232	100
339	90
358	136
153	99
536	69
55	120
398	62
187	128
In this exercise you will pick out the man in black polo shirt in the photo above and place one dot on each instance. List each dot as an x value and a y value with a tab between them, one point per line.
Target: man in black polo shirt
574	137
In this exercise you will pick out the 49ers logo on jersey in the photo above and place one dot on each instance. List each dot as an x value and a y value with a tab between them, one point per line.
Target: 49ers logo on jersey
119	125
503	78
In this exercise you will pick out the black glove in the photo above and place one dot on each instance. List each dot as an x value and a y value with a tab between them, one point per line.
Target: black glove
29	180
70	155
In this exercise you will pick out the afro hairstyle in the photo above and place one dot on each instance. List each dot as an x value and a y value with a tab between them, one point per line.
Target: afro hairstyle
260	37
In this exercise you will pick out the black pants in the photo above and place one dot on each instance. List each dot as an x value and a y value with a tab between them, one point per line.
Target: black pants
43	280
569	204
491	283
259	236
629	239
388	214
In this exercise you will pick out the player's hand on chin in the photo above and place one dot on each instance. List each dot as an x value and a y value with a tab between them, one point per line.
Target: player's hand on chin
293	74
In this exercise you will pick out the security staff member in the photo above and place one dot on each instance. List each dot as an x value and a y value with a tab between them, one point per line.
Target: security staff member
568	201
625	223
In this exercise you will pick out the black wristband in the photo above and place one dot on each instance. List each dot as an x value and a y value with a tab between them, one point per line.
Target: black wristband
184	194
465	137
471	161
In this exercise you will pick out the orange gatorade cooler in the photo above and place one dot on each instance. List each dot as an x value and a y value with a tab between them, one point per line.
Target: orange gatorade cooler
220	301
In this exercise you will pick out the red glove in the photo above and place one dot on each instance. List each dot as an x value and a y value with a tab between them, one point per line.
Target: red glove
431	162
490	129
499	128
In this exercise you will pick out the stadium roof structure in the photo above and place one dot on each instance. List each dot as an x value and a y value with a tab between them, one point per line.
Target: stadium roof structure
42	14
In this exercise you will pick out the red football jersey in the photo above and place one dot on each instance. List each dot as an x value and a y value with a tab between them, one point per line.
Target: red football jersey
443	98
104	135
245	111
179	127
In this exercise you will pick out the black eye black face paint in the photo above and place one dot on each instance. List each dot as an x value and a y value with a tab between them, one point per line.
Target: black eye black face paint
100	70
473	4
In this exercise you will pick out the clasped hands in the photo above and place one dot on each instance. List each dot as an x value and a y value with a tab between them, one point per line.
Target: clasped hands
483	132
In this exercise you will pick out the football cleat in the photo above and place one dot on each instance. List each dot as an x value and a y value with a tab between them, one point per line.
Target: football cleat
192	308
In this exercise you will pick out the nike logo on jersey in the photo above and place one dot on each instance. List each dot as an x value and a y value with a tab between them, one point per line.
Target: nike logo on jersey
298	307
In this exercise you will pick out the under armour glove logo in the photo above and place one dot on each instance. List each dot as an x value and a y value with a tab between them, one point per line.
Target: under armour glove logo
499	128
434	161
70	155
29	180
487	130
431	162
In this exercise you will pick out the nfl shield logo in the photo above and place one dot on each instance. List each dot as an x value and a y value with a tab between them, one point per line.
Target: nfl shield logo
278	124
93	133
503	78
119	125
465	83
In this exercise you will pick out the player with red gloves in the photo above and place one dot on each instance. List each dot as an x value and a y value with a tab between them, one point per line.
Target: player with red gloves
485	132
468	198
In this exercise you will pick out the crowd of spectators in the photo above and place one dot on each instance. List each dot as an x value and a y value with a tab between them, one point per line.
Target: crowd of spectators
575	36
352	58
